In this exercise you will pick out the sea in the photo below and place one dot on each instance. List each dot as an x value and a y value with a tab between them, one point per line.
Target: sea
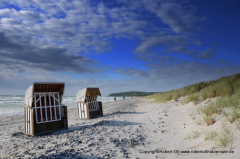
13	104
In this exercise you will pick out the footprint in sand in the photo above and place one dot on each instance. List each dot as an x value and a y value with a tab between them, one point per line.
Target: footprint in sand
163	131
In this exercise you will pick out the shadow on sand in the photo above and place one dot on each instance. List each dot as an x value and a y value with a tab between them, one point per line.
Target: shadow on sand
69	154
113	123
119	112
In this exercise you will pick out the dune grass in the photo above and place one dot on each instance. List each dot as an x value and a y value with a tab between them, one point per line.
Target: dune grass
226	136
174	94
222	138
237	123
232	104
209	119
210	135
199	121
192	98
225	87
193	135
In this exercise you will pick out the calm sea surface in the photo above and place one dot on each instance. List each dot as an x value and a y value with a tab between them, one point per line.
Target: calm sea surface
14	104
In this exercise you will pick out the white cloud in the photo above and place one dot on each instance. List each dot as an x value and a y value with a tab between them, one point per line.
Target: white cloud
158	40
207	54
182	49
10	21
179	17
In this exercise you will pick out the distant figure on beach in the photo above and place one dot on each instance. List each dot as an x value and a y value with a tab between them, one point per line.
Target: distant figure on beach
114	98
123	98
132	97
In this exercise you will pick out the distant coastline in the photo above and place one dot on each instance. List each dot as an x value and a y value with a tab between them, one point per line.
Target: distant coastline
131	94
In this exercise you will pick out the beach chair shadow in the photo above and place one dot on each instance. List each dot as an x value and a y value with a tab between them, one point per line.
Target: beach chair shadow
104	123
121	112
70	153
100	123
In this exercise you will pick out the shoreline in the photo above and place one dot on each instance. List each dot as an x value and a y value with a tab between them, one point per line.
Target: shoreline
69	107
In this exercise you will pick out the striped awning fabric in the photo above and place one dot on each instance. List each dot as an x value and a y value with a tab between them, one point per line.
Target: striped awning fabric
87	92
38	87
49	87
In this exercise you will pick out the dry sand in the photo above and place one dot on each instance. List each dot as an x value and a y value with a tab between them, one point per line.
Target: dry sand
133	128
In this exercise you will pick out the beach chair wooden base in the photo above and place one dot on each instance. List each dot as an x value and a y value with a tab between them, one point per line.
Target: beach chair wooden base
85	111
32	128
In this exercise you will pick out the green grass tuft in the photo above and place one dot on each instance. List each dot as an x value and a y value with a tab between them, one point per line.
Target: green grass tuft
210	135
231	103
192	98
226	137
193	135
234	115
209	120
237	123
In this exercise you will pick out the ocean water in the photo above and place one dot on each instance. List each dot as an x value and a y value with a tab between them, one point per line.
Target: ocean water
14	104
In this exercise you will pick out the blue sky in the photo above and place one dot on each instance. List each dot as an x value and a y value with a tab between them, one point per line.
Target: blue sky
121	45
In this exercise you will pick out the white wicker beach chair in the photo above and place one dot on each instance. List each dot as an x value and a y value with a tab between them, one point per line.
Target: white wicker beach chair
43	109
87	104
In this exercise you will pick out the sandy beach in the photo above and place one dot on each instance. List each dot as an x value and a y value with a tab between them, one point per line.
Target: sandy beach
134	128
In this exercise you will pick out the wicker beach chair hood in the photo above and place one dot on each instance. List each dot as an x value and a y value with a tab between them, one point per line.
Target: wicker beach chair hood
87	92
38	87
